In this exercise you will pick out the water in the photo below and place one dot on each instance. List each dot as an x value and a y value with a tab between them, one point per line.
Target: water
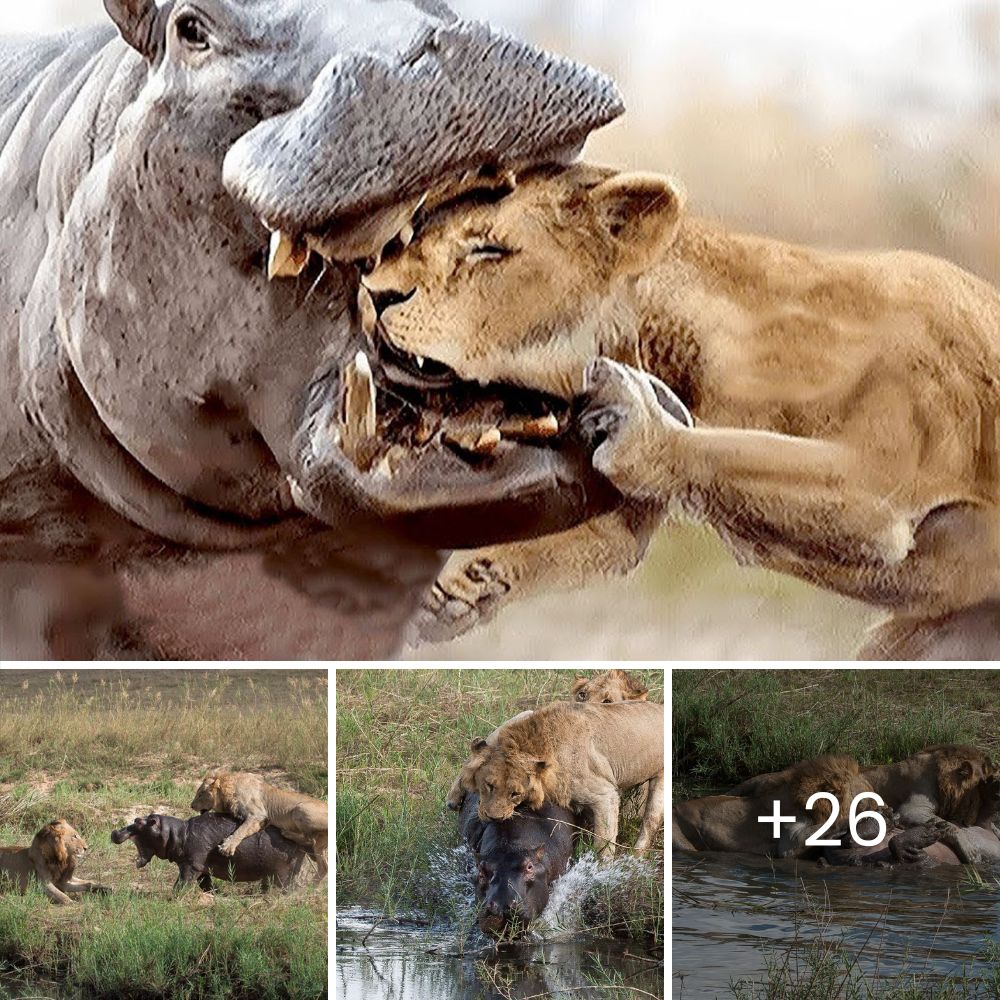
413	958
728	909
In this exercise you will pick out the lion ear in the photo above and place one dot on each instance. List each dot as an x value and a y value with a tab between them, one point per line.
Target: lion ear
478	745
579	684
965	770
540	765
641	213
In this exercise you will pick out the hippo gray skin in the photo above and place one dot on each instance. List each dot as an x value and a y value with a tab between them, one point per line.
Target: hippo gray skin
919	847
518	860
192	845
173	424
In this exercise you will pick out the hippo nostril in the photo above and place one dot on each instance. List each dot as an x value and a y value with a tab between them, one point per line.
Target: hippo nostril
387	299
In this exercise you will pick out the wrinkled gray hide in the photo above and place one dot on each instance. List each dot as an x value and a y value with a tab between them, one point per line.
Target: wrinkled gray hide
153	425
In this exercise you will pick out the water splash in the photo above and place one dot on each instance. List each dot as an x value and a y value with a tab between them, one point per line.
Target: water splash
565	914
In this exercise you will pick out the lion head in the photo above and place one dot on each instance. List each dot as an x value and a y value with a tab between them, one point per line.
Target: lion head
520	287
505	779
962	775
60	847
209	795
608	688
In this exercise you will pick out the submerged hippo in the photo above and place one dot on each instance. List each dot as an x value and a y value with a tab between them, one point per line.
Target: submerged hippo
920	846
518	861
175	425
193	845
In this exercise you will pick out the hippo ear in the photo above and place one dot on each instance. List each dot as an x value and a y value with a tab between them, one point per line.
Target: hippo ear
136	20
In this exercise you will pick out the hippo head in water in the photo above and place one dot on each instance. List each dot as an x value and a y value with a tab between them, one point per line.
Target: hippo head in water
207	214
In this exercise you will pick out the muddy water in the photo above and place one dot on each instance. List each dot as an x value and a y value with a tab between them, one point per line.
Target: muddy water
449	959
728	910
407	961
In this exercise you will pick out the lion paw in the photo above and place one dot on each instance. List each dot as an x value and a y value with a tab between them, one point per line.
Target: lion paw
626	417
468	593
228	847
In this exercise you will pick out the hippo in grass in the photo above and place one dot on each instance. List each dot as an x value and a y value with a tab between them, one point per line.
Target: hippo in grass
193	845
920	847
518	860
203	441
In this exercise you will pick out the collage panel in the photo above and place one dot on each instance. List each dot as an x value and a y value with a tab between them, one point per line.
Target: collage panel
835	834
163	833
499	833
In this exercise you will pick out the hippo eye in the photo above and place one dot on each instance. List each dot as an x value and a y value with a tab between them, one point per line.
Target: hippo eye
192	33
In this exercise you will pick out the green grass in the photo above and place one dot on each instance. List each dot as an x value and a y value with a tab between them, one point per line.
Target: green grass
731	724
402	736
100	754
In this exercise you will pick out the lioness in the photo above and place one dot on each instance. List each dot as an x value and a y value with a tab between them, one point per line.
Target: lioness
606	688
578	756
250	799
51	859
732	822
846	405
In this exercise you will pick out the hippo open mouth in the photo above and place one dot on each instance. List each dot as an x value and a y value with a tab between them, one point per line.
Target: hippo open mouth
452	463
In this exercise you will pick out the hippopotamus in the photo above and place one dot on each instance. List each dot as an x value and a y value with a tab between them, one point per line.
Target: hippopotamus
921	847
518	860
190	193
193	845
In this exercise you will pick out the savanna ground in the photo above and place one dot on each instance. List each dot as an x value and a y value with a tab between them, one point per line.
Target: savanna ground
402	736
99	748
731	724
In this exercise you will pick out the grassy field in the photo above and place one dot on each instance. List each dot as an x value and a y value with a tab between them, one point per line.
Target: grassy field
731	724
402	736
101	747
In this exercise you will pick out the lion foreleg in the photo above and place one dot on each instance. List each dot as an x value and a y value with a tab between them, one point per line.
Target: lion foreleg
474	586
253	823
76	886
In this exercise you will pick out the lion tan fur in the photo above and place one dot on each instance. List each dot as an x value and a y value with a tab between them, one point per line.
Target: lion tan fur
248	798
945	782
846	405
730	822
51	858
609	687
579	756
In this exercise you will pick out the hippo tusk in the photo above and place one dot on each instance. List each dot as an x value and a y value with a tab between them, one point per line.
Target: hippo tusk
367	312
358	421
474	442
535	429
287	257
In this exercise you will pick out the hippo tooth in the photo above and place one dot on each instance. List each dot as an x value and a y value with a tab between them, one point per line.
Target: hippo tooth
358	425
537	428
406	234
367	312
475	442
287	258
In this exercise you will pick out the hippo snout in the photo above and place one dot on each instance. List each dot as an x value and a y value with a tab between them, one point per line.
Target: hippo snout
120	836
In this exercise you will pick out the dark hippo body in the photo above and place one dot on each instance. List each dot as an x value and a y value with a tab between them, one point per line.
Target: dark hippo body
518	860
193	845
